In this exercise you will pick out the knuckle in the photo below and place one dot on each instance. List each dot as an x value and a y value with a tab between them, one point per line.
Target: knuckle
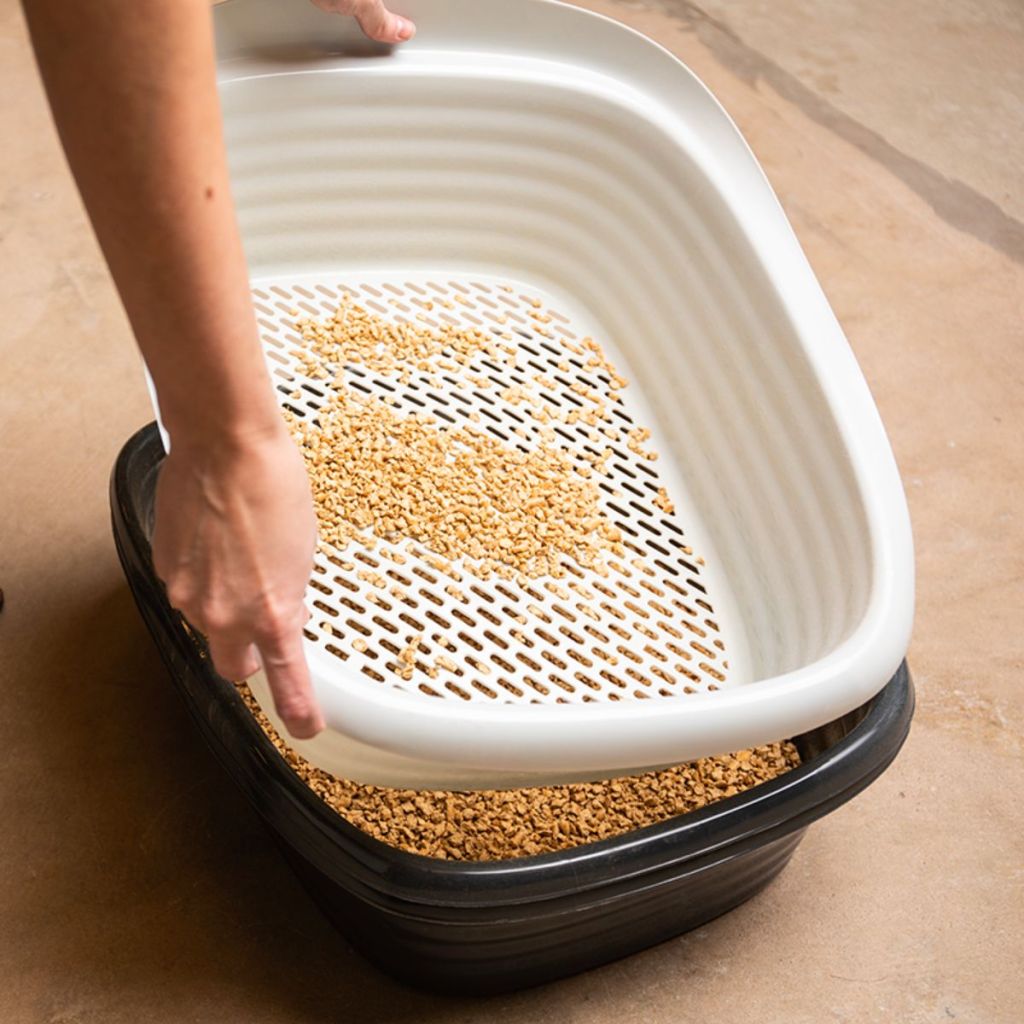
179	595
216	618
372	15
276	619
270	630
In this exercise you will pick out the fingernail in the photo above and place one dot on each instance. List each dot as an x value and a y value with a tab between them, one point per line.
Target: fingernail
406	29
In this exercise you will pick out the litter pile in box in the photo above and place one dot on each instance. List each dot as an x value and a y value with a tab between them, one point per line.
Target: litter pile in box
447	450
456	488
502	824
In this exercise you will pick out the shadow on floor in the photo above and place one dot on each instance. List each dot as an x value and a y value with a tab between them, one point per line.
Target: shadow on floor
140	870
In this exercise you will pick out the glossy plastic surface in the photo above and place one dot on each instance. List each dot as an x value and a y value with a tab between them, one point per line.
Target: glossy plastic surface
539	143
487	927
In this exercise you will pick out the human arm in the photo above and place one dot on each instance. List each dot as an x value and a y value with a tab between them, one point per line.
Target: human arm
133	94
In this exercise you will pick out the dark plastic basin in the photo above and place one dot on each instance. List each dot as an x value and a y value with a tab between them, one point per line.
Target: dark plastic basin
490	927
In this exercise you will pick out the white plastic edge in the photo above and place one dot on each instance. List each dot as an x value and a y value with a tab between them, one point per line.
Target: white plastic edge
440	732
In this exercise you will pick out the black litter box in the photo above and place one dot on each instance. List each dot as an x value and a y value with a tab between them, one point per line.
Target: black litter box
496	926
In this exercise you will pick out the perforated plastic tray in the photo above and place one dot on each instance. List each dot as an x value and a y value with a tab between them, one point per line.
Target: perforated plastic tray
641	626
522	157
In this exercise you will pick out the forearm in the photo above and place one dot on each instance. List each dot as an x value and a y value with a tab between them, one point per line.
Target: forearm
133	93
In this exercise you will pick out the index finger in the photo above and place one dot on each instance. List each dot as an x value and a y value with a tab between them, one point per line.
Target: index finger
284	663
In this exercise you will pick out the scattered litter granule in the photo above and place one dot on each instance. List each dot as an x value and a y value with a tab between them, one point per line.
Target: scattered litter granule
502	824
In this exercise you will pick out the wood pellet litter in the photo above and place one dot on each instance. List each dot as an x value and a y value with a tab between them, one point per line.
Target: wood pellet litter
353	334
523	508
458	491
503	824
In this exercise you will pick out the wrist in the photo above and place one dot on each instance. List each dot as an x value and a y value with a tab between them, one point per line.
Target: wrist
228	426
212	383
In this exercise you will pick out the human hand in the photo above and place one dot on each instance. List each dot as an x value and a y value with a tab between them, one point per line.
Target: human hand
233	542
376	21
235	529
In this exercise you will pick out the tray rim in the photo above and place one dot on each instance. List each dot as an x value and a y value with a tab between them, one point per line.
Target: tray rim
579	47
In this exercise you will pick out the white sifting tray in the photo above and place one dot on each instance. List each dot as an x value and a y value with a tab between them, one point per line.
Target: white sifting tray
532	169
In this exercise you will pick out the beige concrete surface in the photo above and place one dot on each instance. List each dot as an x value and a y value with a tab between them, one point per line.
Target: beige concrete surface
137	886
940	83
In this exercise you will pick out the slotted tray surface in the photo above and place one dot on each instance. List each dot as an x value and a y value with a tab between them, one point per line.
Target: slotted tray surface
642	626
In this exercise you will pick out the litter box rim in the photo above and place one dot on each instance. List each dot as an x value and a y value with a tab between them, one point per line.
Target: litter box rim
846	756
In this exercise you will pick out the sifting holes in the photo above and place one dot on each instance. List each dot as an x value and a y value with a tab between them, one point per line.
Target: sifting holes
569	399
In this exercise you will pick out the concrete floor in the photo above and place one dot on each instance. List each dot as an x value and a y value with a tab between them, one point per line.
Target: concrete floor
137	886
